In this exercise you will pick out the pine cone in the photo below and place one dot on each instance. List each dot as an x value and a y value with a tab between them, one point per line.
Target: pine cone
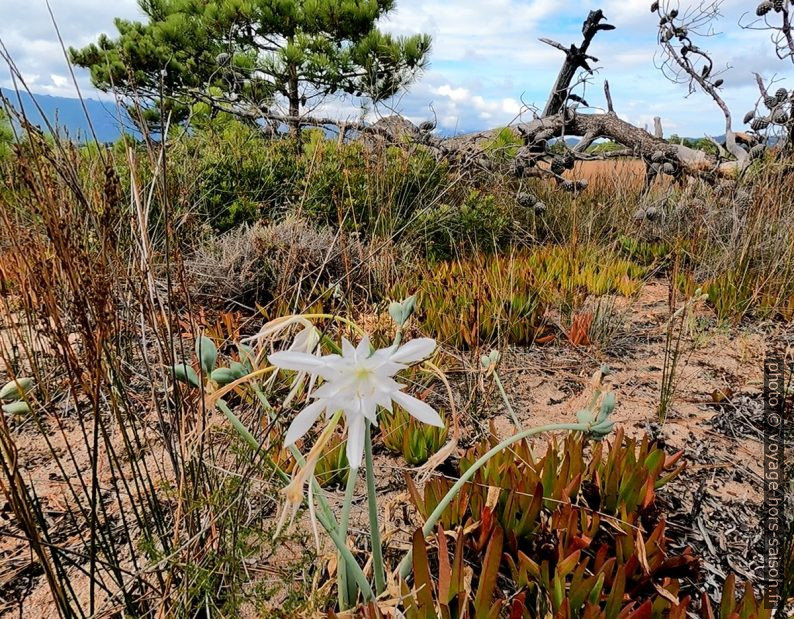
780	117
668	168
655	6
527	199
781	94
764	8
568	160
759	124
749	116
757	151
778	5
558	165
657	156
770	102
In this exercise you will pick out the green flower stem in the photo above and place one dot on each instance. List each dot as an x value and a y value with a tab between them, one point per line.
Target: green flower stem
427	529
506	400
346	596
325	516
374	524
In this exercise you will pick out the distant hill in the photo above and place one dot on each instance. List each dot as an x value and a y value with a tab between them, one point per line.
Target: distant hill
68	117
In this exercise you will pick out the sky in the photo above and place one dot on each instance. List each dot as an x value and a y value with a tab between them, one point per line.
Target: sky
487	65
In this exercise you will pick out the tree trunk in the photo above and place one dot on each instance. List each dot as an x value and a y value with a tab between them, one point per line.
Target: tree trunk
294	106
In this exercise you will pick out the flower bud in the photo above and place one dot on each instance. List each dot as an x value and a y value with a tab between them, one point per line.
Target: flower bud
400	312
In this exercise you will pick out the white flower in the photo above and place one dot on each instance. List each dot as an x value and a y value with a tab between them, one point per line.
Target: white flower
357	382
306	340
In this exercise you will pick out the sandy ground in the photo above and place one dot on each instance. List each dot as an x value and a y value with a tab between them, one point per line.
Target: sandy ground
545	384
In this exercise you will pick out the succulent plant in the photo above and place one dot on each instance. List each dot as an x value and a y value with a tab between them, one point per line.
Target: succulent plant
763	8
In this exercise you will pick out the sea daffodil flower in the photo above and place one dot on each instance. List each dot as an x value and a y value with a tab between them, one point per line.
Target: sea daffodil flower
357	382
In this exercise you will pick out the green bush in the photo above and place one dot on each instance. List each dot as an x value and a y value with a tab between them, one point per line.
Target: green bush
480	223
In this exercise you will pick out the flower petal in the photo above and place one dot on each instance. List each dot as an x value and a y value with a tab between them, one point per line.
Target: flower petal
297	361
414	351
418	409
355	440
303	421
348	352
363	348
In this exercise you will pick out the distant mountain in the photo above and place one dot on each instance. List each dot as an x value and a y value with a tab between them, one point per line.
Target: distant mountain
67	116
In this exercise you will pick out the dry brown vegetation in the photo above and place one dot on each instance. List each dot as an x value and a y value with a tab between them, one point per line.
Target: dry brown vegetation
126	493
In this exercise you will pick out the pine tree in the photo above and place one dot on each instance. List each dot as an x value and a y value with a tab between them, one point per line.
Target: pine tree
247	56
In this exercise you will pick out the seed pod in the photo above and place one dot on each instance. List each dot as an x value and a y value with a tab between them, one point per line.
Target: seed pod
763	8
757	151
223	376
781	94
759	124
749	116
16	408
186	374
15	390
238	369
207	353
770	102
